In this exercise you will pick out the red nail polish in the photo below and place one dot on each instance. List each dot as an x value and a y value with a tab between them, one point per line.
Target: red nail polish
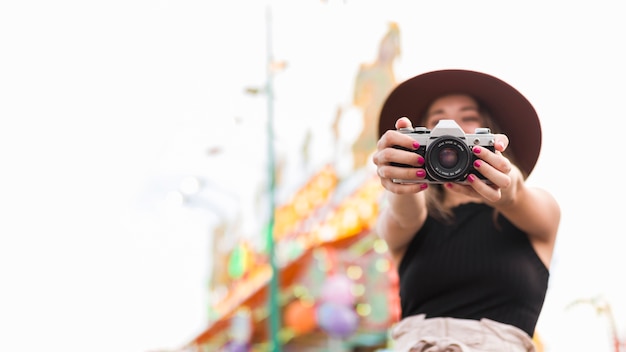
416	144
471	178
420	173
477	163
449	185
420	160
476	150
424	185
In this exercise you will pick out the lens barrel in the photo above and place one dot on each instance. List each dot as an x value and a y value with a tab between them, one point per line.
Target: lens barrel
448	159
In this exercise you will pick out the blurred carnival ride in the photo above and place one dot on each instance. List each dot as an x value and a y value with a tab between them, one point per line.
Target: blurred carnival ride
338	289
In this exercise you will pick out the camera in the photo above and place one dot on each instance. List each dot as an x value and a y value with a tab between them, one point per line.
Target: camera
447	151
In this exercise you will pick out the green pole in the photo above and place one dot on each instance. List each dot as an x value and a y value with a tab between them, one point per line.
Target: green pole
274	313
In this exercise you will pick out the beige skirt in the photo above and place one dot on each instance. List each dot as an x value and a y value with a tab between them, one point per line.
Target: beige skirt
418	334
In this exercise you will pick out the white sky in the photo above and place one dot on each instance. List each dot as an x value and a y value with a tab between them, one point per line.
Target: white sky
105	106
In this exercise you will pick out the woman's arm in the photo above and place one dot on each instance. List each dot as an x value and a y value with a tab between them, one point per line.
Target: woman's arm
404	212
532	210
399	220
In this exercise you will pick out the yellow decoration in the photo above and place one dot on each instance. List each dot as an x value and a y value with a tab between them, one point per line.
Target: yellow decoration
354	272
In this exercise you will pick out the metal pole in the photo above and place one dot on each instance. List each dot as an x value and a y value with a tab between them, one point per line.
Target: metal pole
274	313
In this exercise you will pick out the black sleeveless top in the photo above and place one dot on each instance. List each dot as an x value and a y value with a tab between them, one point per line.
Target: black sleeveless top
473	269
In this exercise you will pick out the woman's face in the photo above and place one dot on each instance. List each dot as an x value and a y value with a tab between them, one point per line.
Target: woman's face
461	108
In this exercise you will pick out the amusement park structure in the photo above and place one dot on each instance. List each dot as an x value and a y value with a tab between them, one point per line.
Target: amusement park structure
603	307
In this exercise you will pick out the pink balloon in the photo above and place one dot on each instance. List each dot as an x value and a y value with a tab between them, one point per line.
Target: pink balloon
338	289
337	319
235	346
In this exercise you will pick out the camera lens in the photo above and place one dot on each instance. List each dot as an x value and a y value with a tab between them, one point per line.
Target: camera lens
447	159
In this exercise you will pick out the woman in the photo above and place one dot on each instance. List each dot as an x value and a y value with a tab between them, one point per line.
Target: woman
472	256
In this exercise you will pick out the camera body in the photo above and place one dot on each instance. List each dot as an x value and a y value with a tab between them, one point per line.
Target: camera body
447	151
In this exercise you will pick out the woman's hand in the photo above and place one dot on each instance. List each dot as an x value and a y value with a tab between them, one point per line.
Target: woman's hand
406	211
386	154
496	168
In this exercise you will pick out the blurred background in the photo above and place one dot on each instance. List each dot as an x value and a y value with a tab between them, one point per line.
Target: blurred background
134	156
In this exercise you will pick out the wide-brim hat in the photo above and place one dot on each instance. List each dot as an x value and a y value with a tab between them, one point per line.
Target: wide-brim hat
513	113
